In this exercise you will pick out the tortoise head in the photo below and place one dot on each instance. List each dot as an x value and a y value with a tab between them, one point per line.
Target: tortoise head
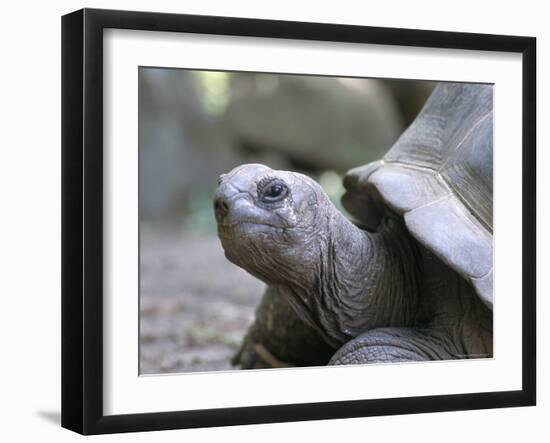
269	221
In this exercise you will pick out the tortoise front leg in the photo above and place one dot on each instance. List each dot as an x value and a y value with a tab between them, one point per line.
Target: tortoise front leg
386	345
278	338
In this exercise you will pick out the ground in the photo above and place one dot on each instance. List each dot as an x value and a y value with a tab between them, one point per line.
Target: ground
195	306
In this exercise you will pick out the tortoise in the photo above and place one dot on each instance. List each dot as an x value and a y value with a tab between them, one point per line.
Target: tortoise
410	279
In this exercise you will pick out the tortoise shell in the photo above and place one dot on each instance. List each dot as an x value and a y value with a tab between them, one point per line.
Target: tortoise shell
439	177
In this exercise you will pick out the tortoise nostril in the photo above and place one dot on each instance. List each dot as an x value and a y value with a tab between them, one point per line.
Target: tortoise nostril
221	208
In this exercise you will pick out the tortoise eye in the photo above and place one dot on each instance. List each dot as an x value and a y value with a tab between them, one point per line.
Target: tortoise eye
273	191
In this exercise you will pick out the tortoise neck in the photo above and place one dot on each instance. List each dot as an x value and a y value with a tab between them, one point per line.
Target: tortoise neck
393	271
365	280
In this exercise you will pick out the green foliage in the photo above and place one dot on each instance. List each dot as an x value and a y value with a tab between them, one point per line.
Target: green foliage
214	88
200	218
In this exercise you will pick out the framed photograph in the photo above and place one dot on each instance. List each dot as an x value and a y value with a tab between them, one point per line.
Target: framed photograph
268	221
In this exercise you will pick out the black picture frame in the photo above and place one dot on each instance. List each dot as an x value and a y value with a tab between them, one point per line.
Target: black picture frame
82	220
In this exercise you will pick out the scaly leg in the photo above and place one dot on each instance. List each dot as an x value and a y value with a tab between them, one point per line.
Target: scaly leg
385	345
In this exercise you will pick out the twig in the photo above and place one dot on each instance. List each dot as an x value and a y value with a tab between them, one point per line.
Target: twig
268	357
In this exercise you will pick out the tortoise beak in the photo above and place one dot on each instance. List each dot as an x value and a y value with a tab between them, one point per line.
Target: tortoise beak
231	206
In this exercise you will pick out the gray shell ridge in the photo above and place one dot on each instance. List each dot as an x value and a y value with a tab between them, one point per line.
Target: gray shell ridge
439	176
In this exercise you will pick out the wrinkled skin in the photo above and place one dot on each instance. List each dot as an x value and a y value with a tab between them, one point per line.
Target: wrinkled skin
371	297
